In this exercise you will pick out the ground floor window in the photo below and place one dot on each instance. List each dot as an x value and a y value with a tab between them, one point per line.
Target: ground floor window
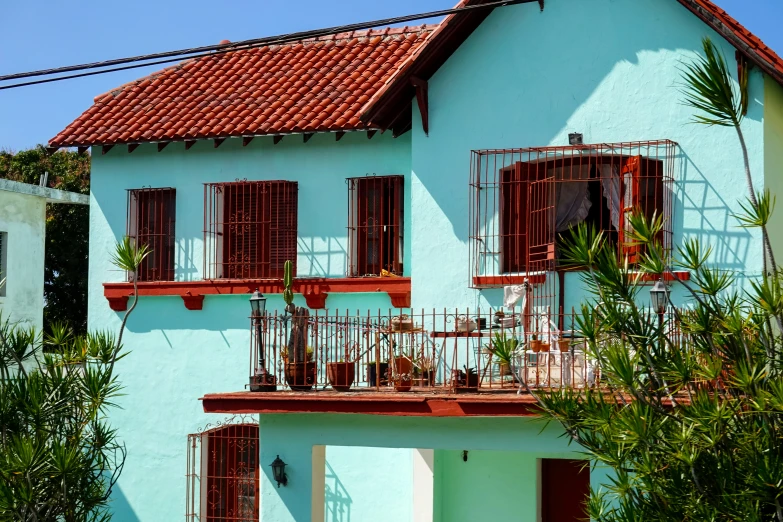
223	474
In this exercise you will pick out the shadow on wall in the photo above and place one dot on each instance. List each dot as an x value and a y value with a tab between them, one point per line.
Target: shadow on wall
185	265
337	499
702	213
322	257
120	509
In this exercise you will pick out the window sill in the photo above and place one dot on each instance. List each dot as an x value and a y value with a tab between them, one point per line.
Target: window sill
315	290
539	278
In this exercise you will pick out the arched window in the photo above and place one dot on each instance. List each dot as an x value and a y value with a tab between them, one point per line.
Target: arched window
223	474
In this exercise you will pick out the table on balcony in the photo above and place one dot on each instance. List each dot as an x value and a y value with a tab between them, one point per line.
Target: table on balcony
537	368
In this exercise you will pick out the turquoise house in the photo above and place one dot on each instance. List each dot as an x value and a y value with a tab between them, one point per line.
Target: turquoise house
418	179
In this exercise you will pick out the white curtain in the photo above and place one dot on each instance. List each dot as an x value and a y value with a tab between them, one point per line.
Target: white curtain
573	204
610	183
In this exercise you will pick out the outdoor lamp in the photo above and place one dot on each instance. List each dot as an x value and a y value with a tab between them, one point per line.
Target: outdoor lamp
278	471
659	295
257	303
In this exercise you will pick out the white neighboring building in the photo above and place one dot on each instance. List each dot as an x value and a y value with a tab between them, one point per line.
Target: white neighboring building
22	241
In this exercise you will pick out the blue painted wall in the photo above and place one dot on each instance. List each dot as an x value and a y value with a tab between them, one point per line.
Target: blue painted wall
605	68
358	484
177	355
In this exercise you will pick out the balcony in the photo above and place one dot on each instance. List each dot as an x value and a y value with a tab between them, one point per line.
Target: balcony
438	362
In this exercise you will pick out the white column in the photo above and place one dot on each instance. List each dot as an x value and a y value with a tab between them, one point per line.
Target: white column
423	481
319	483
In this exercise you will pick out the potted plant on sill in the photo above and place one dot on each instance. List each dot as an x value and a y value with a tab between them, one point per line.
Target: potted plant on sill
371	373
466	381
535	344
341	374
300	370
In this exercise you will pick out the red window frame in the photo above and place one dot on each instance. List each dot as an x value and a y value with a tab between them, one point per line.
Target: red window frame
523	200
375	225
151	221
250	229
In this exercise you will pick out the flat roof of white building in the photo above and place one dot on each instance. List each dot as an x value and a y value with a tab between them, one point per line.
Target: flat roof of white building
51	195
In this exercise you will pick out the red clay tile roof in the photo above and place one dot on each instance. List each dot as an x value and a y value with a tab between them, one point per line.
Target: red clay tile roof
745	41
307	86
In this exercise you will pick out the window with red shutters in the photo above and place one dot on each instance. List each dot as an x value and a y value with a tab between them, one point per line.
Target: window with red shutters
523	201
151	220
250	229
375	225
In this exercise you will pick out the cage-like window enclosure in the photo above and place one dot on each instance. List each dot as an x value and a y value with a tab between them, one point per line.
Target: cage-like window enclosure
249	229
375	225
151	219
524	200
223	474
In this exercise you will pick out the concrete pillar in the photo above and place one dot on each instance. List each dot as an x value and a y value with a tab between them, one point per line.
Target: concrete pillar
423	482
319	483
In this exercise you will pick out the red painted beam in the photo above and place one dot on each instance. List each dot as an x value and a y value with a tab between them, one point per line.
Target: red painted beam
315	290
396	404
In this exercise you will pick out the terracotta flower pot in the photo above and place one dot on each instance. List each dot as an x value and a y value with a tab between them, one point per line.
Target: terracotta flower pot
341	375
403	373
564	345
544	347
535	345
300	376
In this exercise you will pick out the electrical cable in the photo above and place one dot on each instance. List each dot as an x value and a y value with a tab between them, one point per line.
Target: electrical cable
212	50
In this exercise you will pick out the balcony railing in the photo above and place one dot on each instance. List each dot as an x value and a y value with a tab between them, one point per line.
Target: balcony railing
447	351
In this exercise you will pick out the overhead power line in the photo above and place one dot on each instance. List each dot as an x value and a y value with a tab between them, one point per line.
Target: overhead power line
107	66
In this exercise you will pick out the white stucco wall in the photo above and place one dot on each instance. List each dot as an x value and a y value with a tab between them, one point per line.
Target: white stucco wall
23	219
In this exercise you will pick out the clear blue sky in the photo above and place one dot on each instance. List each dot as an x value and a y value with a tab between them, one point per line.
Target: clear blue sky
50	33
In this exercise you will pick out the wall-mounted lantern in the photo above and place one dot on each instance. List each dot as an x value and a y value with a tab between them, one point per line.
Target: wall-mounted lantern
278	471
257	304
659	295
575	138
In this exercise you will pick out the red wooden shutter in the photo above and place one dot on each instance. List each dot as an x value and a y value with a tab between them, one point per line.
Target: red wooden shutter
630	179
259	230
378	225
565	487
152	216
282	211
232	474
541	224
514	217
244	229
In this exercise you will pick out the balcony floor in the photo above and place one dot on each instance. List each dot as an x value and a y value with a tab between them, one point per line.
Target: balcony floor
417	402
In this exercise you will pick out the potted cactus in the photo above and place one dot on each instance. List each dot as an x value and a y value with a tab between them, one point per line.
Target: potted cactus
300	371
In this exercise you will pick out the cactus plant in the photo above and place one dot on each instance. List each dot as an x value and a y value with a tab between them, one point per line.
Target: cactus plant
288	294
